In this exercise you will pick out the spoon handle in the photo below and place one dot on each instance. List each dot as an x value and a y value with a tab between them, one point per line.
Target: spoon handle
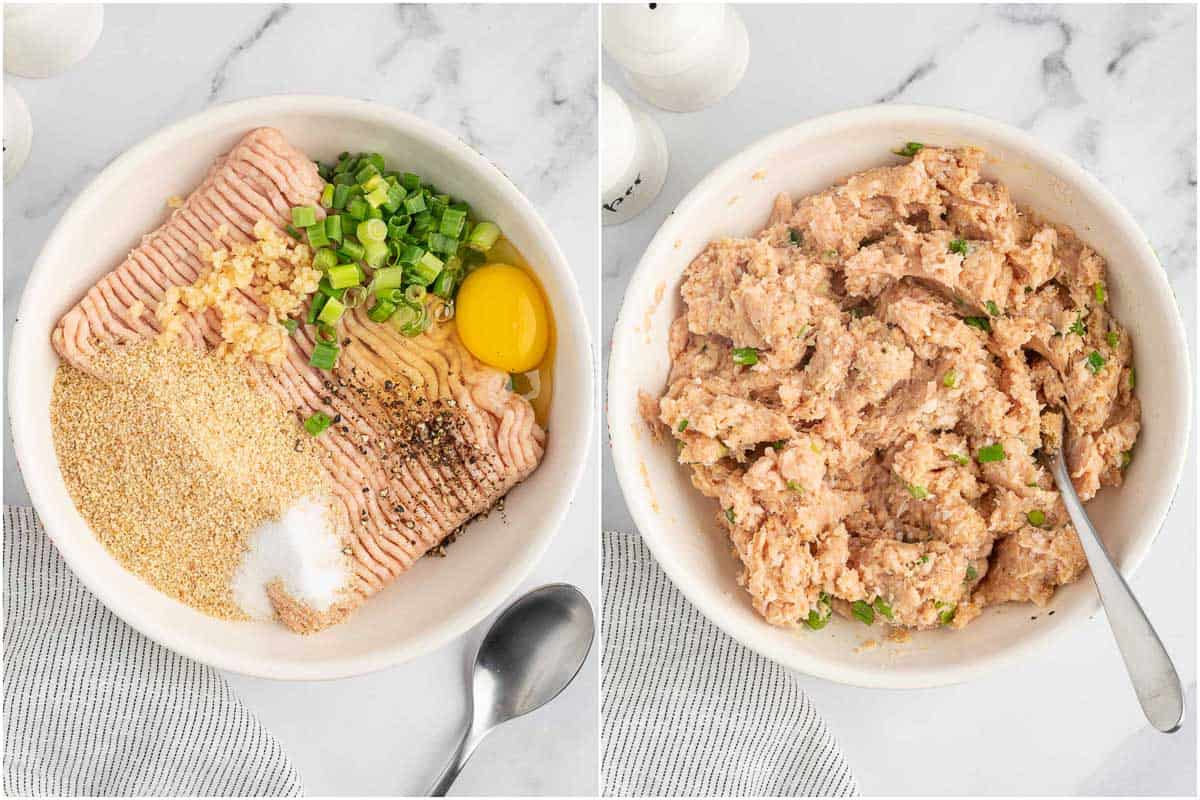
466	746
1146	660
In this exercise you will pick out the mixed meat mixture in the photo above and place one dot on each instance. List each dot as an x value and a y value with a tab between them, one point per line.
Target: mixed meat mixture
865	384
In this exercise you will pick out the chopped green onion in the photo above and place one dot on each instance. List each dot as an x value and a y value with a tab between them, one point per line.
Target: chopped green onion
993	452
333	227
745	356
1096	362
863	612
290	324
377	196
909	150
918	492
395	198
317	423
443	284
326	288
425	270
960	459
1077	327
947	612
357	208
316	235
992	308
415	293
972	573
1132	378
960	246
1036	517
415	203
314	310
950	379
327	195
324	355
387	279
1126	458
1113	338
683	423
729	515
1099	293
796	237
882	607
452	223
815	620
795	487
304	216
332	312
979	322
352	250
483	236
382	310
292	232
375	253
344	275
410	181
341	194
324	259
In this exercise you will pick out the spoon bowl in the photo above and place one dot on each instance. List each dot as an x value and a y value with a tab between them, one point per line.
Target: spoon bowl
533	651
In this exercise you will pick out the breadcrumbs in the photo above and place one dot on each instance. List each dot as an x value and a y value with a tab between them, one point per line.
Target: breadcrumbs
174	461
275	270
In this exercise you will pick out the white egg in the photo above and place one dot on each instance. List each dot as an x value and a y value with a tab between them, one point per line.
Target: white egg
18	132
44	39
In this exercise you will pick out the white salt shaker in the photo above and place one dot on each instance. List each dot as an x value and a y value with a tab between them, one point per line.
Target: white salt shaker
633	161
681	57
43	39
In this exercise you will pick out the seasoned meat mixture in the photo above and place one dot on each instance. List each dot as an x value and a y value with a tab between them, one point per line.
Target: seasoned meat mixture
863	387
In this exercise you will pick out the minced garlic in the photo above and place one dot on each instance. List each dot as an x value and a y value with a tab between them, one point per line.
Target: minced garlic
274	270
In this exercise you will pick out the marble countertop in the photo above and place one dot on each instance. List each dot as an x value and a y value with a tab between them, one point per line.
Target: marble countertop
520	87
1114	87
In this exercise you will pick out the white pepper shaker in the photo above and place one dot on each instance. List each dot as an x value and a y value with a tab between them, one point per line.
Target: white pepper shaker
681	57
633	161
43	39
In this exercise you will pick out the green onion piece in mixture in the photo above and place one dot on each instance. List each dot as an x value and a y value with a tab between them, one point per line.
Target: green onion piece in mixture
993	452
452	223
960	246
319	299
387	279
1037	517
1132	378
351	250
863	612
682	426
796	237
304	216
959	459
947	612
972	573
290	325
745	356
382	310
332	312
317	423
366	173
1113	338
316	235
371	230
483	236
444	283
375	253
341	195
415	203
979	322
1077	327
344	275
324	355
815	620
950	379
327	195
333	228
918	492
1099	292
357	208
415	294
729	515
425	270
882	607
992	308
910	149
1096	362
324	259
1126	458
795	487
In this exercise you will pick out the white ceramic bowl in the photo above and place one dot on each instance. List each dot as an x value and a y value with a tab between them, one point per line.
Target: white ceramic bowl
438	599
734	200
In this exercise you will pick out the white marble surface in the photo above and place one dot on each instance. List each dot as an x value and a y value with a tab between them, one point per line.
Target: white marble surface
517	83
1114	87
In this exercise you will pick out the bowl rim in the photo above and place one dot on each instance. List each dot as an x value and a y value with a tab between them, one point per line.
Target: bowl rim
337	666
625	457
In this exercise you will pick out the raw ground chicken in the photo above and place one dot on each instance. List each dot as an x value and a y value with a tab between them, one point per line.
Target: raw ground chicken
903	322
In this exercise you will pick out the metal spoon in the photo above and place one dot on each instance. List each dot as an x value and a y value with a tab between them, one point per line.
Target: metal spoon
532	652
1146	660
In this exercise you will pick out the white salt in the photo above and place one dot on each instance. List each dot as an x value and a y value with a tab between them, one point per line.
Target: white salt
301	550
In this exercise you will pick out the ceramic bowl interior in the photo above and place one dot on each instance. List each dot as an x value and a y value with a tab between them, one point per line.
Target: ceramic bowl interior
437	599
679	524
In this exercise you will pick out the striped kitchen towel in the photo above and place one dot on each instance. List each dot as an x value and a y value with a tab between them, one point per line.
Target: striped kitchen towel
92	707
686	710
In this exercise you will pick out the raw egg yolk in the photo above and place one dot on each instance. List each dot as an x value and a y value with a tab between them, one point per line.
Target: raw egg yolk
501	318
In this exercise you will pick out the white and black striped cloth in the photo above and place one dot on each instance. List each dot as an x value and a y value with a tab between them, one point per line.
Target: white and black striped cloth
92	707
688	711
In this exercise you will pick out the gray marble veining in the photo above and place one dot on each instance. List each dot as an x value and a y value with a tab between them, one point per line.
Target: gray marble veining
517	83
1114	87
